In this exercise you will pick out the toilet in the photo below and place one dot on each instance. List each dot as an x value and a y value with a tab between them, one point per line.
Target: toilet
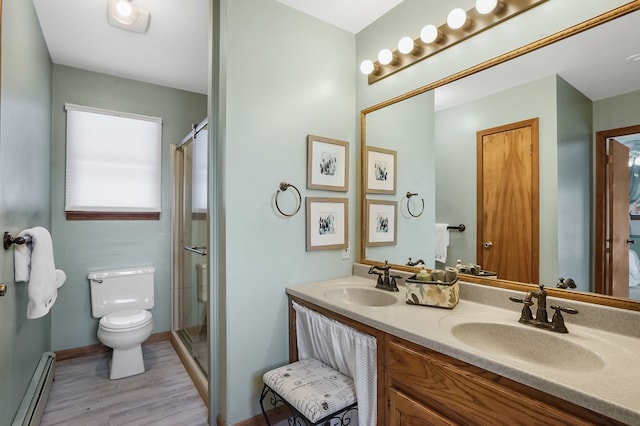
120	298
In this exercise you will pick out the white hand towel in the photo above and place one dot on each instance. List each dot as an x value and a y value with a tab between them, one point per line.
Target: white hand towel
34	264
442	242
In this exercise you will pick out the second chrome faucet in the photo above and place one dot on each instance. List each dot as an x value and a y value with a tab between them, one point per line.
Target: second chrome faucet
541	319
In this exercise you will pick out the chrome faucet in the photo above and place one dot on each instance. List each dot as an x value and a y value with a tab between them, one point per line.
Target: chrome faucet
385	280
541	319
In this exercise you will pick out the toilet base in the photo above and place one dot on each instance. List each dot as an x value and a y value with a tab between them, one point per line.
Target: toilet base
126	362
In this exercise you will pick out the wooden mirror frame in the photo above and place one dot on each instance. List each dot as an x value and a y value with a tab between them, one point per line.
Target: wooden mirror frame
576	29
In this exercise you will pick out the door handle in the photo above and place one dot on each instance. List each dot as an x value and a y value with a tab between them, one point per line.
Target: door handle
487	244
202	251
631	241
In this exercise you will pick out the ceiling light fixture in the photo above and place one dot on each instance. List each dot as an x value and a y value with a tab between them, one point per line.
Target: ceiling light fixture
460	25
127	16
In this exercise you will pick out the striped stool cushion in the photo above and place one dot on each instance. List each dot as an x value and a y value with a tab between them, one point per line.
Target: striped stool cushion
311	387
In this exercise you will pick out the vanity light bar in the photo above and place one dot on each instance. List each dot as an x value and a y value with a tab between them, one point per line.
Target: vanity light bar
476	22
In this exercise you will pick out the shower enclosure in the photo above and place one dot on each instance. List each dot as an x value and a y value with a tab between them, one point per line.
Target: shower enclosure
190	222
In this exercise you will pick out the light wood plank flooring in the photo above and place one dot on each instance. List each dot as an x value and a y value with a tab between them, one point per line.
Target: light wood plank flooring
82	393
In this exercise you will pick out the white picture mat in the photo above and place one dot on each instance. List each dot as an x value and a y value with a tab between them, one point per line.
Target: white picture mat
321	150
374	157
320	210
385	210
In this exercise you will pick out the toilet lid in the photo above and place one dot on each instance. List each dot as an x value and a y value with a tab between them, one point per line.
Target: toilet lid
125	319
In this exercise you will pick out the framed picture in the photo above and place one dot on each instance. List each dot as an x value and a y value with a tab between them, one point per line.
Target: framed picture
327	223
382	223
381	171
327	164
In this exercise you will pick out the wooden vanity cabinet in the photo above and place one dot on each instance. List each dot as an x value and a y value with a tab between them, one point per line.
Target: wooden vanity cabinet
419	387
425	387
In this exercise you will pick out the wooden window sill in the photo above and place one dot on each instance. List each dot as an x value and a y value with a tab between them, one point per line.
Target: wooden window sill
75	215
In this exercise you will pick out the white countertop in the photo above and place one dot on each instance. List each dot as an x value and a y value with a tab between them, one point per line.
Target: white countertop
611	386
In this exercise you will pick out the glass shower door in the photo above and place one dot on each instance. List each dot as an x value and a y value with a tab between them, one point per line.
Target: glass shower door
194	287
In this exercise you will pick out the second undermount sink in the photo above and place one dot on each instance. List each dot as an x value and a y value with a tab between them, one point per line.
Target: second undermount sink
361	296
530	345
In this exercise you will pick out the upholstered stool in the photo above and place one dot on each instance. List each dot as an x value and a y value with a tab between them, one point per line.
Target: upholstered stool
315	393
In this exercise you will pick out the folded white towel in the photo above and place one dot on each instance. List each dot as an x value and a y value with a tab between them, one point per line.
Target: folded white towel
34	264
442	242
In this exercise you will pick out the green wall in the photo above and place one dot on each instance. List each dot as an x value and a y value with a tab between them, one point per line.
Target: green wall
84	246
287	75
25	100
617	111
408	128
575	212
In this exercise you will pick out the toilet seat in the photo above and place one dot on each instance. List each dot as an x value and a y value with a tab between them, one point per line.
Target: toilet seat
124	321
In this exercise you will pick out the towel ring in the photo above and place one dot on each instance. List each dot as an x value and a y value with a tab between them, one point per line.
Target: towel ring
283	187
8	240
413	194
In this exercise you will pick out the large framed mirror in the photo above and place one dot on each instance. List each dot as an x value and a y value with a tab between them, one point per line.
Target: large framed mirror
577	87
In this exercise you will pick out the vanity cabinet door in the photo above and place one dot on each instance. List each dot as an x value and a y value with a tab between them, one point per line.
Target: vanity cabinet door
457	392
404	411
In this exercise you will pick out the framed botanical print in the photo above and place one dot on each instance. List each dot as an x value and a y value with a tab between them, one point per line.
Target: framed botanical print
327	223
327	164
382	223
381	171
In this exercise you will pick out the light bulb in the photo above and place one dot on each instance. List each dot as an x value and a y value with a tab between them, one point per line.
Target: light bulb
429	34
405	45
486	6
385	56
124	8
457	18
366	67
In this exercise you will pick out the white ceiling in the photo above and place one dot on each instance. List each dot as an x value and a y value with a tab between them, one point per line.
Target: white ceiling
174	52
592	61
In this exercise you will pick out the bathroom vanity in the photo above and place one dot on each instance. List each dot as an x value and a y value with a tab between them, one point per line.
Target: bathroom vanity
476	364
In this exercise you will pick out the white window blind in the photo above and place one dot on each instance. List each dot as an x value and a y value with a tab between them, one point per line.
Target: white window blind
199	172
113	161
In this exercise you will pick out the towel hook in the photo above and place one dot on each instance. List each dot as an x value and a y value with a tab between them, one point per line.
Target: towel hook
283	187
413	194
8	241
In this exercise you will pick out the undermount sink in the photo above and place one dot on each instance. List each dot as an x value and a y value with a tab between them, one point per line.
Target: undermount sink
531	345
361	296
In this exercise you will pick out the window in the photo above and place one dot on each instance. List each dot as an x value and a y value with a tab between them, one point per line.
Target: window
113	164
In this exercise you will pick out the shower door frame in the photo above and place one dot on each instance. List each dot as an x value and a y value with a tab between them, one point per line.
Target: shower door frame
177	253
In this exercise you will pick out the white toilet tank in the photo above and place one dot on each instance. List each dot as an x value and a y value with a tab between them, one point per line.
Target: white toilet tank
120	289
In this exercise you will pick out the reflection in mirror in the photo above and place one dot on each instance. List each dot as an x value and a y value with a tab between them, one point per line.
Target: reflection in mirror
406	127
574	88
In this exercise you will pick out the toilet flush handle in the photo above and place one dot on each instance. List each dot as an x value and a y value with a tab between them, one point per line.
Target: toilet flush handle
96	281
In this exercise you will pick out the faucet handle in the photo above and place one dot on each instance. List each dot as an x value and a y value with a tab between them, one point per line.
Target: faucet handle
393	286
557	322
525	316
518	300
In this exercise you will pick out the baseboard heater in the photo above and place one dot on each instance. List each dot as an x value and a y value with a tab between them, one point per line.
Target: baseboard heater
35	399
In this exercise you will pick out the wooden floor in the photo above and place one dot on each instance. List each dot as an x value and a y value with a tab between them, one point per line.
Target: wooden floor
82	393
